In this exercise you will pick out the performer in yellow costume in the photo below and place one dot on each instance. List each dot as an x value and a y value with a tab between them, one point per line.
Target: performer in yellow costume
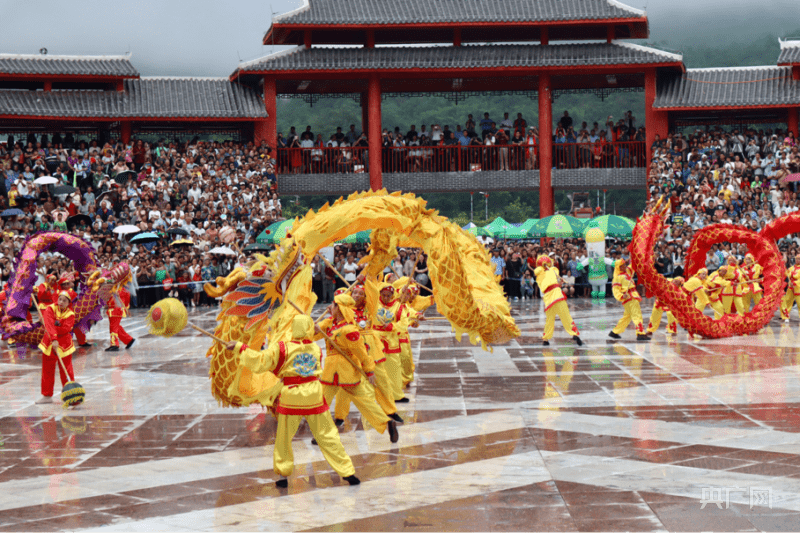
658	310
296	363
753	273
696	286
792	290
715	284
389	322
339	374
364	317
625	292
732	294
415	306
555	303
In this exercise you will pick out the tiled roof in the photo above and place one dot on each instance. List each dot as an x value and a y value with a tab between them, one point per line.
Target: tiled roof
790	53
28	64
460	57
146	97
454	11
737	87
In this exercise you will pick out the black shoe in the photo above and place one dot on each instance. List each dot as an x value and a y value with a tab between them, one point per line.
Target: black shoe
545	343
353	480
394	436
282	483
642	338
85	345
402	400
314	442
127	346
396	418
112	349
338	422
578	340
614	335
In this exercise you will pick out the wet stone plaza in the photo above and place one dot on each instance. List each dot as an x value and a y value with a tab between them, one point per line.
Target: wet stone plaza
674	434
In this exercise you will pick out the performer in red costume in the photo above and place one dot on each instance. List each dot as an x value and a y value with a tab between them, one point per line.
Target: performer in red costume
67	284
117	308
59	320
47	292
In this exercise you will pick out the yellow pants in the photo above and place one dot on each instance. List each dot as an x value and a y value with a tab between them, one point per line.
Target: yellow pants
655	321
383	395
633	313
406	363
749	298
363	395
729	301
788	302
324	432
716	306
560	310
395	370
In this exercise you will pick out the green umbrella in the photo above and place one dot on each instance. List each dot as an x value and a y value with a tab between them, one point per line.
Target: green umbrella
275	232
496	224
613	226
557	227
511	232
528	224
362	237
257	247
479	231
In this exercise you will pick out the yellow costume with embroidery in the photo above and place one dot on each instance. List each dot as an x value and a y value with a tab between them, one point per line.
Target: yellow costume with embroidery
391	319
339	374
658	311
625	292
732	294
752	273
296	363
715	284
792	292
555	303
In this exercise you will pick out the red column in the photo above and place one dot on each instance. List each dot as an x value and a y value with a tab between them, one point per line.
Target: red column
48	85
125	131
374	135
610	33
792	120
544	35
370	38
267	129
307	38
457	37
546	201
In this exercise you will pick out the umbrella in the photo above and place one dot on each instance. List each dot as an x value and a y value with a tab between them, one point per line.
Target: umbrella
360	238
127	228
124	176
183	242
528	224
496	224
557	226
12	213
479	231
46	180
612	225
63	189
222	250
257	247
109	195
275	232
78	219
144	238
789	178
177	231
511	232
468	226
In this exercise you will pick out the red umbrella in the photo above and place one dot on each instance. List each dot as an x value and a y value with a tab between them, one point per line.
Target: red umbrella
790	178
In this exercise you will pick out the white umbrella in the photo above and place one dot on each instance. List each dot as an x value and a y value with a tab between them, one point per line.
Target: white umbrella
222	250
128	228
46	180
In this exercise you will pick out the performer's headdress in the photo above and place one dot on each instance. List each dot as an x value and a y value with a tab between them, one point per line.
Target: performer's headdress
543	260
346	304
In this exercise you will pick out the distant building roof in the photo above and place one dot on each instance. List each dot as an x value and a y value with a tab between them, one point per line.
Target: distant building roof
326	12
790	53
729	87
145	97
37	64
458	57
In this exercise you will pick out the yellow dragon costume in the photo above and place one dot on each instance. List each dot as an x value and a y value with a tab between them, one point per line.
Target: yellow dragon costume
255	299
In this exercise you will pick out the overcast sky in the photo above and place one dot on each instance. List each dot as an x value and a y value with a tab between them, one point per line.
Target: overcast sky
204	38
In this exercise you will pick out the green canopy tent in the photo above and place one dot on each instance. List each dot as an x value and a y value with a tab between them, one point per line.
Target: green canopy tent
511	232
362	237
479	231
613	226
528	224
557	227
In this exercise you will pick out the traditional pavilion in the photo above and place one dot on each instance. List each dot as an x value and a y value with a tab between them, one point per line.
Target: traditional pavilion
360	49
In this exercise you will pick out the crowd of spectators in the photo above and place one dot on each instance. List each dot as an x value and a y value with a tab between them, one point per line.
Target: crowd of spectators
511	144
203	189
716	176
